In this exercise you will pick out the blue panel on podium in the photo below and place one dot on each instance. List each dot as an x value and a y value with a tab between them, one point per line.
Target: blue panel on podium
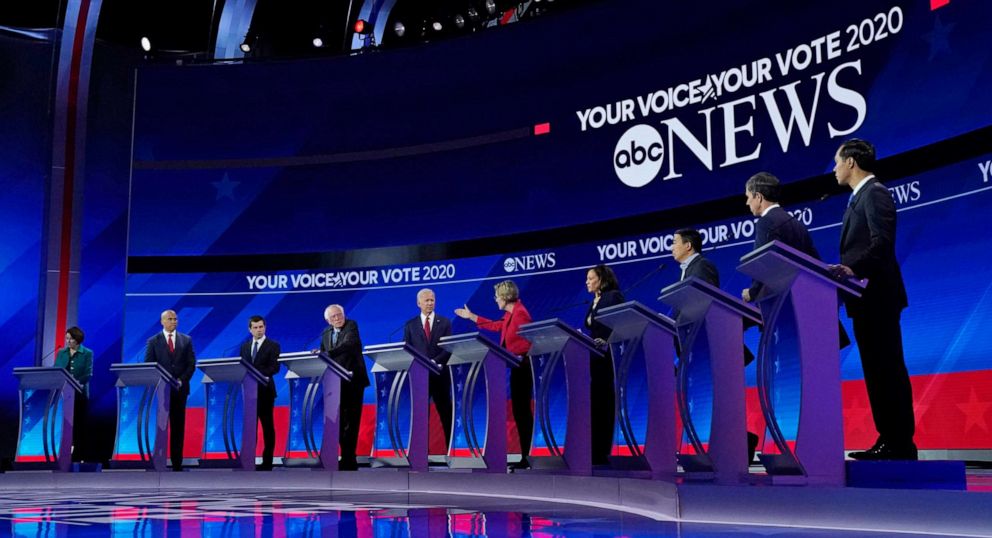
467	382
550	375
33	445
907	474
225	401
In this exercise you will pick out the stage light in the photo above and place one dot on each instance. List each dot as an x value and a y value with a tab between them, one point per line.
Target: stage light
318	42
459	21
491	7
363	27
146	44
437	26
245	47
472	14
399	29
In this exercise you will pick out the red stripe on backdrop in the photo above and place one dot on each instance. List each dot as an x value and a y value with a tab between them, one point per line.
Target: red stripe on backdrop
935	4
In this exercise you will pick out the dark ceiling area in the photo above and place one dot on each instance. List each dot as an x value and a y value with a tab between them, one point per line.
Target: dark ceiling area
282	28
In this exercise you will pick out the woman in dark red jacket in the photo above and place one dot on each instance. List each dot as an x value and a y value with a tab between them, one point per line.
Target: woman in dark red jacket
521	378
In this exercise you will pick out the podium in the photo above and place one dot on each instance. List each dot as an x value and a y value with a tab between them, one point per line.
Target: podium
799	383
48	396
643	344
141	443
313	377
401	405
710	386
475	402
560	357
231	386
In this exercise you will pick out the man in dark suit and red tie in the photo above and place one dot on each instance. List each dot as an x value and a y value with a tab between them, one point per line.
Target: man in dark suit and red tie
174	351
263	353
423	332
340	340
868	250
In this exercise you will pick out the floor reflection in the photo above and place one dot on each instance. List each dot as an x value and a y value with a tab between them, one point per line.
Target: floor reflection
279	514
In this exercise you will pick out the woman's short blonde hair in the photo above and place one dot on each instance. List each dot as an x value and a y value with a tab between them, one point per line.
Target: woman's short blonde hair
507	291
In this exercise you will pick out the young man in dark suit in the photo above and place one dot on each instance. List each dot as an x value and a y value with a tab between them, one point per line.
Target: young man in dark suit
263	353
686	248
763	192
868	250
174	351
423	332
340	340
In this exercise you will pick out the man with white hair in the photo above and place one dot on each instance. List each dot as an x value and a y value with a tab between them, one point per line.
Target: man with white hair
423	333
340	340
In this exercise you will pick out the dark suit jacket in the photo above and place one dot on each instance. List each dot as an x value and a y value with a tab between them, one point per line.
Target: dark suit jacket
704	270
597	329
413	334
868	247
266	360
181	364
779	225
348	351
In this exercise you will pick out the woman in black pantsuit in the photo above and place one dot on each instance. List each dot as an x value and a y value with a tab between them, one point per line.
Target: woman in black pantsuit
602	283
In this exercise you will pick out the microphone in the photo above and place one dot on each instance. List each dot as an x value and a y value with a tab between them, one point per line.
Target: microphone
644	278
50	353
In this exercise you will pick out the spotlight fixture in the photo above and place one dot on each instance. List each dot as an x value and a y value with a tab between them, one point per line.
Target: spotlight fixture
399	29
146	44
437	26
245	47
363	27
459	21
491	7
318	42
472	14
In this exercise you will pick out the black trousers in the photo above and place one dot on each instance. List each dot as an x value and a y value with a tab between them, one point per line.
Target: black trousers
177	426
352	401
890	393
439	387
603	409
266	402
521	394
79	430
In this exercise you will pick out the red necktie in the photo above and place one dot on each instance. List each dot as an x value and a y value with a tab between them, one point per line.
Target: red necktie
172	347
427	328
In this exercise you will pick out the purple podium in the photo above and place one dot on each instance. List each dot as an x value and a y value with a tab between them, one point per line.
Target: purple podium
402	427
143	392
474	357
560	357
318	375
643	344
48	397
710	387
799	364
231	386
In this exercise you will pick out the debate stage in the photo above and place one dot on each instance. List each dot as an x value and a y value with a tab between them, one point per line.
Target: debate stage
389	502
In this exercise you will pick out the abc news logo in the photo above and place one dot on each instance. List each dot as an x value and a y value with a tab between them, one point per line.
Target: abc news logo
638	156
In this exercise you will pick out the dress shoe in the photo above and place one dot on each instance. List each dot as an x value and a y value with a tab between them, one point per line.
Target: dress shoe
348	465
522	464
263	467
884	451
752	446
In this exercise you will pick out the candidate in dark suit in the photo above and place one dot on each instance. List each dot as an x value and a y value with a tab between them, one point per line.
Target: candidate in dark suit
686	247
868	250
174	351
763	193
78	360
341	341
263	353
423	332
602	283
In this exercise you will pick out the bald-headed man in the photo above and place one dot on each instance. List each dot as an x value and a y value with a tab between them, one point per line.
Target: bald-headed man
341	341
423	333
174	351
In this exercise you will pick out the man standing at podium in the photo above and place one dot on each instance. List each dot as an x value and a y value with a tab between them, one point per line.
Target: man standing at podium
174	351
263	354
868	250
423	332
686	248
763	192
340	340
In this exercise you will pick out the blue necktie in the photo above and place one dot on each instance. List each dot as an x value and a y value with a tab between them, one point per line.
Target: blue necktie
254	351
850	200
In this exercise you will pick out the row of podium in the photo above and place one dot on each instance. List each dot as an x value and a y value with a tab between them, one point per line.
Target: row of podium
798	386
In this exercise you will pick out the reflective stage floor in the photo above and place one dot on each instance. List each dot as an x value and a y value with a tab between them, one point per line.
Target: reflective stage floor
384	503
